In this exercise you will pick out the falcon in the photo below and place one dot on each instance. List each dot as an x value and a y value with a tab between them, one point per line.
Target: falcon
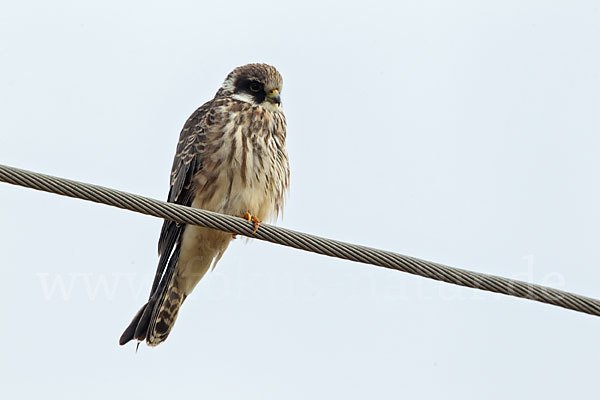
231	159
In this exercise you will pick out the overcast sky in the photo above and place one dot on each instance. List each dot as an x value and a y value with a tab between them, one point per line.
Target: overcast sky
463	132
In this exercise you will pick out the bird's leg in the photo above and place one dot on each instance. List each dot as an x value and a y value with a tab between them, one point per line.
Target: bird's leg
252	219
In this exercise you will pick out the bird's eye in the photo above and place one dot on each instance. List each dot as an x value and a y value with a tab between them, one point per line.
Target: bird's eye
254	87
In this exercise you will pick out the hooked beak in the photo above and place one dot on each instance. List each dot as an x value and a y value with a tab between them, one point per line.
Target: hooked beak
274	97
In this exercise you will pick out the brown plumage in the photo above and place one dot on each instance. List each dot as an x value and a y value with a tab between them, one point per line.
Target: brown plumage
231	159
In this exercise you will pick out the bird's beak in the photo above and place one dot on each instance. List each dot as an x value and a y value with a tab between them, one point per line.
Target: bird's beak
274	97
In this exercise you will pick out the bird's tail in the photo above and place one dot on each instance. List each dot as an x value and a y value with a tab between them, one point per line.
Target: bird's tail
154	321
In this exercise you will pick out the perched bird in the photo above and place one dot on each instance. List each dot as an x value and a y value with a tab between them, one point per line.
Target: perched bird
231	158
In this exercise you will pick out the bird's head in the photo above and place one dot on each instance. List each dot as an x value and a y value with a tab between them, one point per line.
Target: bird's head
257	84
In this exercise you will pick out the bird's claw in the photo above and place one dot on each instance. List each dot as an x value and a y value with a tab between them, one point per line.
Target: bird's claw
253	219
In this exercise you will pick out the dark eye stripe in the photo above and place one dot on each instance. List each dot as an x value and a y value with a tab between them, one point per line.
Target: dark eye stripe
256	90
253	87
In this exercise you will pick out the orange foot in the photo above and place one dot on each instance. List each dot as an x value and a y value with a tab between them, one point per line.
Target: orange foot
252	219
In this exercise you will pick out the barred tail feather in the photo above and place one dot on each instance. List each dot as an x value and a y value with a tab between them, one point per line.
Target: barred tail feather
154	321
164	315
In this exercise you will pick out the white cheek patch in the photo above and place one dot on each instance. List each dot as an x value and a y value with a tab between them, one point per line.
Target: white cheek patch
245	97
248	98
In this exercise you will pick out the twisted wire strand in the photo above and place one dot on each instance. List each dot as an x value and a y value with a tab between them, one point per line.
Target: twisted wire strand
299	240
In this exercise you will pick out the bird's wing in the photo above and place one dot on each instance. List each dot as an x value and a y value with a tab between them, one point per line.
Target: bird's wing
188	161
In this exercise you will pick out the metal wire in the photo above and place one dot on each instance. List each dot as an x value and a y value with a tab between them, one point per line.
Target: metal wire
298	240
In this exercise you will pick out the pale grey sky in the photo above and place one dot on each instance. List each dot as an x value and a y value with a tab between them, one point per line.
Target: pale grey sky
463	132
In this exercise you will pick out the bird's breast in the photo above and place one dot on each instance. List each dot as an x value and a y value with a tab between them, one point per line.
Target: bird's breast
247	169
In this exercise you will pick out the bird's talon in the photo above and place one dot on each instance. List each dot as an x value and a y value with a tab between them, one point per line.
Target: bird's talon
253	219
247	216
256	222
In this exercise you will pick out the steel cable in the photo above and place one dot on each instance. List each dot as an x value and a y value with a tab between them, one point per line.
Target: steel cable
298	240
